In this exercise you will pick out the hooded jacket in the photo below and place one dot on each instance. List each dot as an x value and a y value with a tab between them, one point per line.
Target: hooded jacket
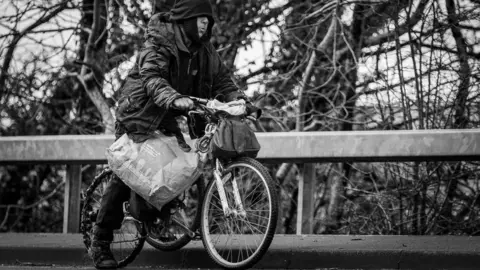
145	102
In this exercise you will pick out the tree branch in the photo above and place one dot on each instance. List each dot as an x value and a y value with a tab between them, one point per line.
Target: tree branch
402	29
445	49
265	69
327	40
26	207
18	36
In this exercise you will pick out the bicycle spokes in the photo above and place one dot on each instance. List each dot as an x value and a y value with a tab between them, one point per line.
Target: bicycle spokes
239	214
183	223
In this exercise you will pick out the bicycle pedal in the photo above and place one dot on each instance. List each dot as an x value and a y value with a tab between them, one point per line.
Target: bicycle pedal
197	237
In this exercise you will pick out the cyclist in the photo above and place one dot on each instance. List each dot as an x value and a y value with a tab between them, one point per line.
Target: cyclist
176	60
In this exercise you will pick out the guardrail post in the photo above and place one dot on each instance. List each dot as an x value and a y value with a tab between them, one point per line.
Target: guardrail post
306	199
71	208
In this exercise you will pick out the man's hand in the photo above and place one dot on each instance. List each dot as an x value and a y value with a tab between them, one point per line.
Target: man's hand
183	103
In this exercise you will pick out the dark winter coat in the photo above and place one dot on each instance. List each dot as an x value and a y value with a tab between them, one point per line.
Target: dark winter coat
146	98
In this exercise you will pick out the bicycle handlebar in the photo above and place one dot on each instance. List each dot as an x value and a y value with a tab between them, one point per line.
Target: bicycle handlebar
199	100
250	109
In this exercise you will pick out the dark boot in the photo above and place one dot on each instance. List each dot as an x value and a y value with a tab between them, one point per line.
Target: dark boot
100	250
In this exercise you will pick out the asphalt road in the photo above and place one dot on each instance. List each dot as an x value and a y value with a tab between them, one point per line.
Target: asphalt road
286	251
10	267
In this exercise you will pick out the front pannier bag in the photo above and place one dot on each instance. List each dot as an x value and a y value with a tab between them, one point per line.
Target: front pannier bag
234	138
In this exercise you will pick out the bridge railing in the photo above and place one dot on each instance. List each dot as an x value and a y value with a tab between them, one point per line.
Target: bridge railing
278	147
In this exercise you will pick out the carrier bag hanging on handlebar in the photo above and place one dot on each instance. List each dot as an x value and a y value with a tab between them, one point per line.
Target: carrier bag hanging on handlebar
158	169
234	138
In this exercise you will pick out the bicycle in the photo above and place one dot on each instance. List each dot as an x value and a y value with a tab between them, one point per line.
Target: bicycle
235	215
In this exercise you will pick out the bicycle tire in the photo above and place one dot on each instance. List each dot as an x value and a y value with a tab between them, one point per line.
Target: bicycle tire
207	226
88	213
185	239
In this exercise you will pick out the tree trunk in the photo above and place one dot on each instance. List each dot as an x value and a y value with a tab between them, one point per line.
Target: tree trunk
93	71
461	119
337	199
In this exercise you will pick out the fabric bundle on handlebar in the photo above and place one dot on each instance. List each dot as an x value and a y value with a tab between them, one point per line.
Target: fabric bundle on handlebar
234	138
158	169
236	107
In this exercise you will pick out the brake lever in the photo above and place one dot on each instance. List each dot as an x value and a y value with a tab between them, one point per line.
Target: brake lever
252	118
191	112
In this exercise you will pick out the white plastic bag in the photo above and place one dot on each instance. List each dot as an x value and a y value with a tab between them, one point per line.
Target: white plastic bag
236	107
157	169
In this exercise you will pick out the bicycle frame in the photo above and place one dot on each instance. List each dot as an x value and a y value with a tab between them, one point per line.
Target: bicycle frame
210	129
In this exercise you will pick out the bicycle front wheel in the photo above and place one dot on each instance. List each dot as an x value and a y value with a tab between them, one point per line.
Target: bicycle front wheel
239	239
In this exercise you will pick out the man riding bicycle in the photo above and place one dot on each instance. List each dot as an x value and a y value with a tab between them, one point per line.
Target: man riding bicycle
176	61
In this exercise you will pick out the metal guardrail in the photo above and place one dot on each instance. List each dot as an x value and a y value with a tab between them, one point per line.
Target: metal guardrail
306	147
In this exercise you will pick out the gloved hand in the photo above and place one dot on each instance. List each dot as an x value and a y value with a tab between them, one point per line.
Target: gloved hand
183	103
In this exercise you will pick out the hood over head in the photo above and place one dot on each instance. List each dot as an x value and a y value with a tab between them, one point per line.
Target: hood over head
185	12
160	29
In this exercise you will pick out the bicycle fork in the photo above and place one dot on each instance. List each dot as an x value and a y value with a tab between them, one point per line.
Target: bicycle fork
237	210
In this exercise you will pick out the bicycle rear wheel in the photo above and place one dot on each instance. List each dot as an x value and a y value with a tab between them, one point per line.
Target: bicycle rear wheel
239	240
183	221
128	240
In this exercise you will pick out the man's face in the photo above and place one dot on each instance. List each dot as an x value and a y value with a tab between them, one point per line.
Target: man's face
202	25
